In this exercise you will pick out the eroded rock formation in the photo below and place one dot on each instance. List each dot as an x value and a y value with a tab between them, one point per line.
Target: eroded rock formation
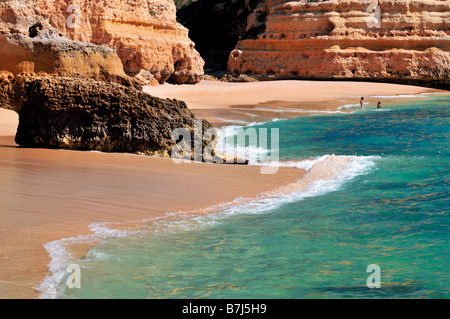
29	45
144	33
82	114
339	39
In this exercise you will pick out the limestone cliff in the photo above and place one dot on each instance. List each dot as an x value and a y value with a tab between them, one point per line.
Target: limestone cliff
84	114
144	33
339	39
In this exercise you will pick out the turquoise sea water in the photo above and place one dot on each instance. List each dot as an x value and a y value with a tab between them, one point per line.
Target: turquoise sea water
388	204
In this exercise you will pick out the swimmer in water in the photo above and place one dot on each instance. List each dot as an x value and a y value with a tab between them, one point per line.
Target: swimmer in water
362	103
379	106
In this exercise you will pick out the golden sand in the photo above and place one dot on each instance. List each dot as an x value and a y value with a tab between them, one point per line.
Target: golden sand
238	103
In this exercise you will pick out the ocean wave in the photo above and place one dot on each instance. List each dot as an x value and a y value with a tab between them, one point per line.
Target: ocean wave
325	174
419	95
60	257
244	123
231	150
290	110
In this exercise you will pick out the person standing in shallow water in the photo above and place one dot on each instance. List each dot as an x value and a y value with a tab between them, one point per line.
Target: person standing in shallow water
379	106
362	103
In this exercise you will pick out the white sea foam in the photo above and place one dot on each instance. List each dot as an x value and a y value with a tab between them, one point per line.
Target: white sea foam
420	95
347	106
290	110
59	259
304	164
225	134
323	175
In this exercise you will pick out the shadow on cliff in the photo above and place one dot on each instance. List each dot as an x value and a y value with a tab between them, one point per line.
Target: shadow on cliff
216	26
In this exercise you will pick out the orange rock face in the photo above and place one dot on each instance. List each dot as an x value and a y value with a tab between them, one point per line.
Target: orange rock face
144	33
143	37
29	45
343	39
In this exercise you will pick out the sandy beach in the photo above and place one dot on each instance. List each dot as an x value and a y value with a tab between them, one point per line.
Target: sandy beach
52	194
224	103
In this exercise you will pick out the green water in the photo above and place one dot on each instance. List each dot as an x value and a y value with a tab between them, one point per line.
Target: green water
390	208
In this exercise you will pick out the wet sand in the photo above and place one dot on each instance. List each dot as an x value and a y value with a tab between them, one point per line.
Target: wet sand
47	195
224	103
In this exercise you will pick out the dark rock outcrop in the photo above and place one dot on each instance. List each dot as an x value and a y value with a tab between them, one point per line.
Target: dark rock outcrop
72	93
82	114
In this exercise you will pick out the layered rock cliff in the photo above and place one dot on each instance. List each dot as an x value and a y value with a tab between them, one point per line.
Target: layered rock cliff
143	38
30	45
84	114
339	39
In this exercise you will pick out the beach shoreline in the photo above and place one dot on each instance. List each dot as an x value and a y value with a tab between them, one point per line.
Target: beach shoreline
53	194
50	194
229	103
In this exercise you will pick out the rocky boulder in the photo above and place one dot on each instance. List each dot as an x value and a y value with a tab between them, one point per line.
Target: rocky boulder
81	114
58	56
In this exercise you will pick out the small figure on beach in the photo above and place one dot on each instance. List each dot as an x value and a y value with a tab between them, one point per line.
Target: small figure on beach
379	106
362	103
